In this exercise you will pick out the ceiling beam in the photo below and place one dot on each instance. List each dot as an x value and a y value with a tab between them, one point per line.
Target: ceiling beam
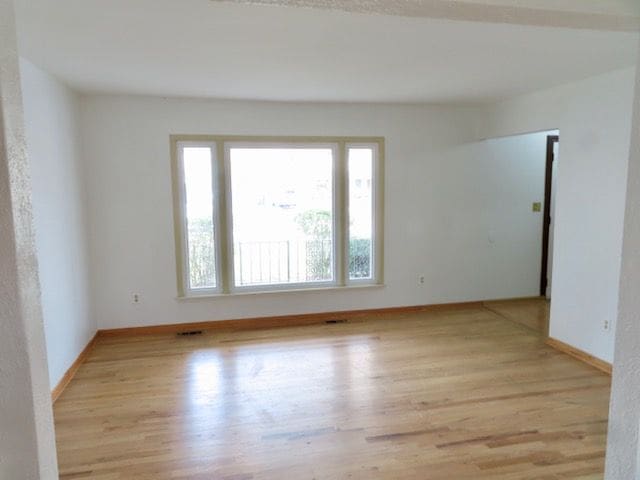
468	11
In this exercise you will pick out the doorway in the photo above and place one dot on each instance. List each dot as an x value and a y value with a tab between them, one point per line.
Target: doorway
549	215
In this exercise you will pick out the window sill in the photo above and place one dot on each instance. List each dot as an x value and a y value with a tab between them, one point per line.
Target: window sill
271	292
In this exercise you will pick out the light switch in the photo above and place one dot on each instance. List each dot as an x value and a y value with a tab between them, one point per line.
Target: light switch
537	207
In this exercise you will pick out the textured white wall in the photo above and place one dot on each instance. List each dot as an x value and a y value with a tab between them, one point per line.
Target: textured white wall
440	186
27	443
594	118
623	443
50	111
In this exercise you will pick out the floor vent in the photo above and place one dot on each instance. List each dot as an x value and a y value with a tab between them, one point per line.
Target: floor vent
191	332
337	320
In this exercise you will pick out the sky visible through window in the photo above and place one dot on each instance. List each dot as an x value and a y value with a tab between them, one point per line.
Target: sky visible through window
360	169
199	212
282	214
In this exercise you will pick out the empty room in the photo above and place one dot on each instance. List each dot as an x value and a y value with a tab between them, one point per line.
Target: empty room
271	239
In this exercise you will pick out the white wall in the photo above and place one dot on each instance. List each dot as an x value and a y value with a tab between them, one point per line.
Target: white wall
51	111
489	188
439	188
449	216
594	118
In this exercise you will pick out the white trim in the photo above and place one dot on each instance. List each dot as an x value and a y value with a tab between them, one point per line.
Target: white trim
334	288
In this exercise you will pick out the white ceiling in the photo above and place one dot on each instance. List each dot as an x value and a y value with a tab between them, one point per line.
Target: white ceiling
233	50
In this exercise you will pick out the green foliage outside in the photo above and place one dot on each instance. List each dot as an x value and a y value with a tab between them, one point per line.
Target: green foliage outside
201	253
359	258
317	225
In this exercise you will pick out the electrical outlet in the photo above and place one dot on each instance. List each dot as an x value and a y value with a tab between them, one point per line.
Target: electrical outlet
421	279
606	325
135	299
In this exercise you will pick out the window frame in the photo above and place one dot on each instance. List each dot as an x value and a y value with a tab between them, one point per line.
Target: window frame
377	232
220	146
182	225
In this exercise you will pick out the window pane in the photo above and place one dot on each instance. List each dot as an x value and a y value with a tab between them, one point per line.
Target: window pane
282	215
360	213
199	213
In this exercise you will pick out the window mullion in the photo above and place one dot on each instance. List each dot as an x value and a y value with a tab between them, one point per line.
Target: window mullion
378	212
179	211
224	249
342	216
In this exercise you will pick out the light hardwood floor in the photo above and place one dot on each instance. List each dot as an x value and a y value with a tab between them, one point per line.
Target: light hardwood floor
452	395
532	313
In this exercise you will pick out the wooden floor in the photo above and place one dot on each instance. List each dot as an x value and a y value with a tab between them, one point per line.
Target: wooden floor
530	313
452	395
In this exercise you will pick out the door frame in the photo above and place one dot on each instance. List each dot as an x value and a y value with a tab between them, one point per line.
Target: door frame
546	222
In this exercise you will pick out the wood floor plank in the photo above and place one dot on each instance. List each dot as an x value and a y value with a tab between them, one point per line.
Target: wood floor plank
466	394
